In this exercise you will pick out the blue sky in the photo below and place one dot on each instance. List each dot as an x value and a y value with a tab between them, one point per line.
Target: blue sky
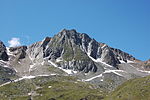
123	24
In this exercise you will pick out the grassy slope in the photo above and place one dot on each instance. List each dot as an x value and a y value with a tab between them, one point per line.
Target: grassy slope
68	88
6	75
62	88
136	89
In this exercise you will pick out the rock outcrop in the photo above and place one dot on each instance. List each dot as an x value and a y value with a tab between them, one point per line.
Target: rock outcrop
20	51
3	54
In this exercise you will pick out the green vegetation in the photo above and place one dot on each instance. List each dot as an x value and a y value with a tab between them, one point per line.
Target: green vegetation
68	88
136	89
50	88
80	55
55	70
77	54
16	90
6	75
69	54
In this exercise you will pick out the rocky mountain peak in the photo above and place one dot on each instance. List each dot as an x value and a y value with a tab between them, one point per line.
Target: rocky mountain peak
45	42
19	51
72	35
71	45
19	48
67	32
2	46
3	54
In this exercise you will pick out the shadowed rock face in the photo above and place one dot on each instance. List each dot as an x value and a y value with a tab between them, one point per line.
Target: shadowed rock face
3	54
146	65
6	74
20	51
122	55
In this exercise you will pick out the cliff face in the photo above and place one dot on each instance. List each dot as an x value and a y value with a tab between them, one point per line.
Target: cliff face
3	54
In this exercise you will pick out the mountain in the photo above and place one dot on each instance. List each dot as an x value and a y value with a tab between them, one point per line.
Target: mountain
70	53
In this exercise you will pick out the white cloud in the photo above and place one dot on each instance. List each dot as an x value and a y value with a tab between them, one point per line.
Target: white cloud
14	42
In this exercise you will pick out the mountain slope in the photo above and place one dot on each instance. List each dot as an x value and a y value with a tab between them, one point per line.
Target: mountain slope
50	88
135	89
6	72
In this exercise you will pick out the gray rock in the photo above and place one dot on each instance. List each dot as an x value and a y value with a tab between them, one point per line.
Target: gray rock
6	74
3	54
122	55
20	51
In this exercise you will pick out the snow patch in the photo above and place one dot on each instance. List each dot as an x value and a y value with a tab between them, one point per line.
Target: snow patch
19	62
54	74
49	87
114	71
42	63
4	63
15	70
122	61
43	75
52	63
31	67
99	60
79	80
6	66
29	93
68	71
143	71
103	46
94	77
24	77
129	61
31	58
5	84
59	59
8	51
28	77
107	71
